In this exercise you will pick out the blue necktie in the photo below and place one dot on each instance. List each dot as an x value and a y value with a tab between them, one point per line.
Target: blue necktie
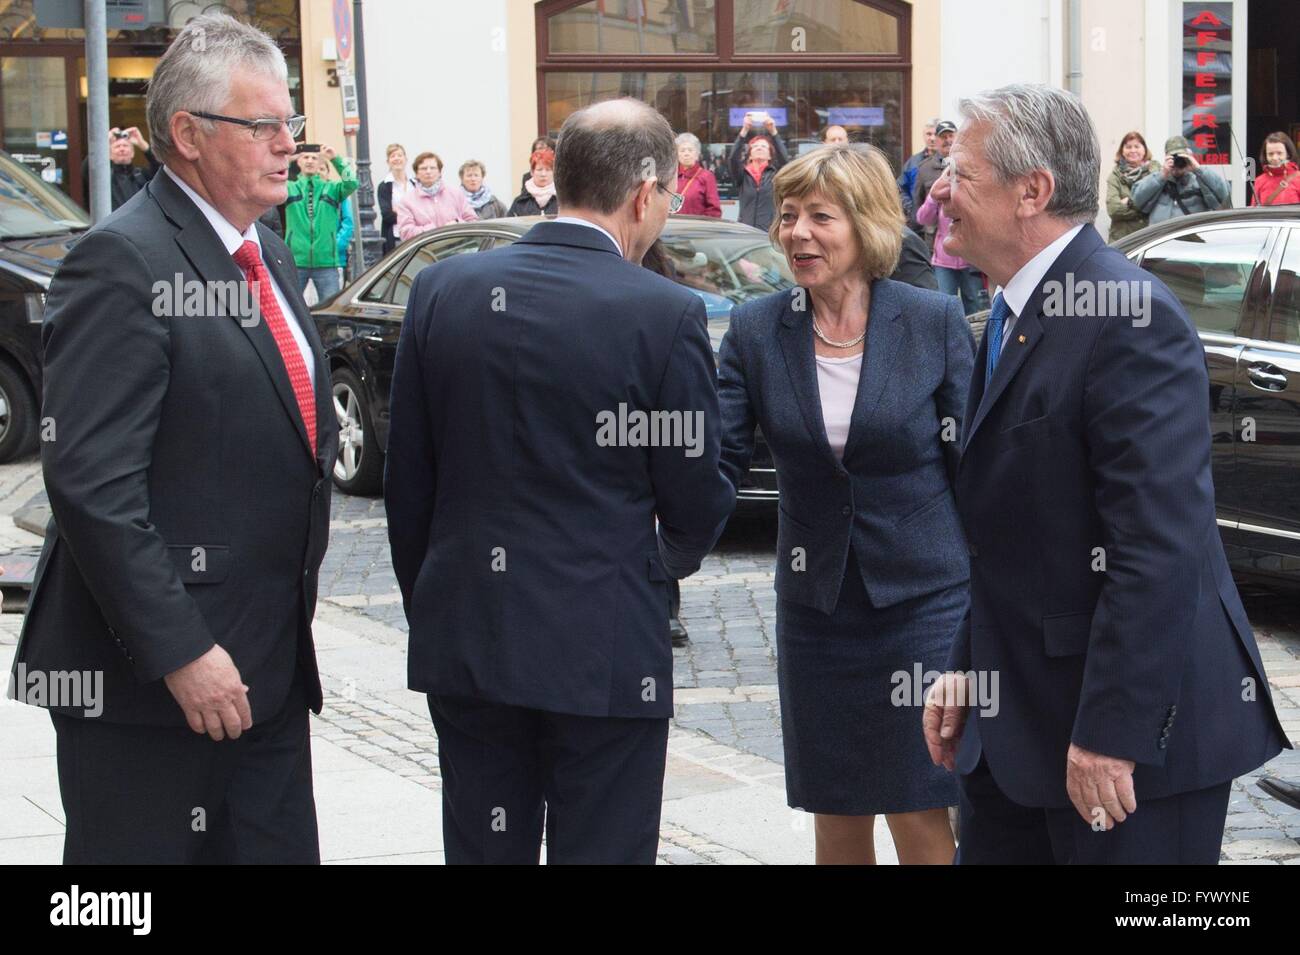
997	318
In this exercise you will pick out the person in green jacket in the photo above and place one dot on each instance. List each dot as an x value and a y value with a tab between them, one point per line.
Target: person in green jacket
312	216
1132	163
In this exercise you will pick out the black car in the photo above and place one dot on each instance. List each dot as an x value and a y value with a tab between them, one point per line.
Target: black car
725	263
1237	272
38	224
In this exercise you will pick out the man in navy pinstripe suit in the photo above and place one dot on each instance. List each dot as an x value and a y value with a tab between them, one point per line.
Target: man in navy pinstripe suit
1131	689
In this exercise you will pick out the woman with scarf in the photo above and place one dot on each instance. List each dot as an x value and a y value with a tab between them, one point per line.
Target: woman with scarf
1132	163
479	193
695	184
1278	181
754	168
430	204
391	190
538	196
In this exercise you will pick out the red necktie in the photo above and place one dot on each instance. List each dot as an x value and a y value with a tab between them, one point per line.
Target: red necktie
249	260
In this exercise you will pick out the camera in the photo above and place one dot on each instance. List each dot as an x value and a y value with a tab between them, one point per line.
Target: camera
1180	161
121	134
307	148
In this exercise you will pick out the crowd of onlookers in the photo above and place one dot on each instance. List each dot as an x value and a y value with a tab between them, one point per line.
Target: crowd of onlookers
413	198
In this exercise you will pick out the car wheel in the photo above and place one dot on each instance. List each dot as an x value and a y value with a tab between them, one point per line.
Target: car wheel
359	467
18	424
977	322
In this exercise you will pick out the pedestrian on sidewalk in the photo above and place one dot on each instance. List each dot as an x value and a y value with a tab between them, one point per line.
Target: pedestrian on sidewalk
431	205
538	197
478	192
392	189
754	161
1278	181
695	184
1133	163
312	215
954	275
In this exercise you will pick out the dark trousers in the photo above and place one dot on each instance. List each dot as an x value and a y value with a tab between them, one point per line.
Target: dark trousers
166	795
1183	829
596	783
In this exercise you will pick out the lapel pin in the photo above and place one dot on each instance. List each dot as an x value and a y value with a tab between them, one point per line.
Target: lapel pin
1021	339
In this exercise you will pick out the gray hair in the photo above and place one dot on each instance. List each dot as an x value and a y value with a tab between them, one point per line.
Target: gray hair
194	74
608	149
931	123
689	139
1029	126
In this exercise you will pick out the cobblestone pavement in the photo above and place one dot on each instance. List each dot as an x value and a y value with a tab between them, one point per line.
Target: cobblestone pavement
725	679
727	725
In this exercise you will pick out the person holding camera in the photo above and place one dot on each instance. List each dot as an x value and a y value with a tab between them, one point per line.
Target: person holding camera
1182	187
125	177
311	217
754	160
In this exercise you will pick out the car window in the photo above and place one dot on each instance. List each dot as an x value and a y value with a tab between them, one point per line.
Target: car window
30	207
1209	272
378	291
1284	317
426	255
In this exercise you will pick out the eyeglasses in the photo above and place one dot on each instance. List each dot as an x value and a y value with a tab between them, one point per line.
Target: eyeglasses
263	129
675	201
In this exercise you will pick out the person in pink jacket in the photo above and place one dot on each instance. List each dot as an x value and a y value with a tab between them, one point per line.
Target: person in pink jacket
430	204
952	273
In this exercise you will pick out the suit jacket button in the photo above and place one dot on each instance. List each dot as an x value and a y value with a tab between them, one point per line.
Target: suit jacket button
846	510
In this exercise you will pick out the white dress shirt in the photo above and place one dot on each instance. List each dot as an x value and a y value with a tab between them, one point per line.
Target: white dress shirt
232	239
1025	283
574	220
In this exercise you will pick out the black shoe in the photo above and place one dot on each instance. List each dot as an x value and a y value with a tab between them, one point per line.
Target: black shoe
677	632
1281	790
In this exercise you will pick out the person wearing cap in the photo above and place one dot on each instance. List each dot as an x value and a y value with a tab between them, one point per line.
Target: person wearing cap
907	178
928	172
1182	187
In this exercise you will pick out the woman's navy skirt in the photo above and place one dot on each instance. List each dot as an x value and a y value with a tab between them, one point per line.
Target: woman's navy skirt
850	749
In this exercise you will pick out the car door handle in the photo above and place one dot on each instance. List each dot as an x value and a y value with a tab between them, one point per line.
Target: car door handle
1267	377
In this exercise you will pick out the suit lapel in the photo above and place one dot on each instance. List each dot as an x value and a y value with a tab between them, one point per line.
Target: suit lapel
796	339
210	260
1027	332
884	335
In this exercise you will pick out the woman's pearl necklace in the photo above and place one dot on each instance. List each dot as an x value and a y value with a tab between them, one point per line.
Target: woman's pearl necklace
834	344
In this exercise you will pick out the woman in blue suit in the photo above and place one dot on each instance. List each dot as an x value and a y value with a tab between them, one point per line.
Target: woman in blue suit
859	384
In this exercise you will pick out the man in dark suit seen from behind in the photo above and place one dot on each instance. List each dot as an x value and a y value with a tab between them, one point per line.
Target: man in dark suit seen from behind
549	400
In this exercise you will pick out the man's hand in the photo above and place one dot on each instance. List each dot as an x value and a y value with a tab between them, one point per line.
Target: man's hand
1167	168
212	695
327	153
1101	787
137	139
944	717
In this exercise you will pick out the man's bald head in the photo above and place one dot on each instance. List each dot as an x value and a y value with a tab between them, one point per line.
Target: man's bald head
608	150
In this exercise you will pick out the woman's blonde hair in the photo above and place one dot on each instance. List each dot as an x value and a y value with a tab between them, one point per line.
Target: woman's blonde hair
857	178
